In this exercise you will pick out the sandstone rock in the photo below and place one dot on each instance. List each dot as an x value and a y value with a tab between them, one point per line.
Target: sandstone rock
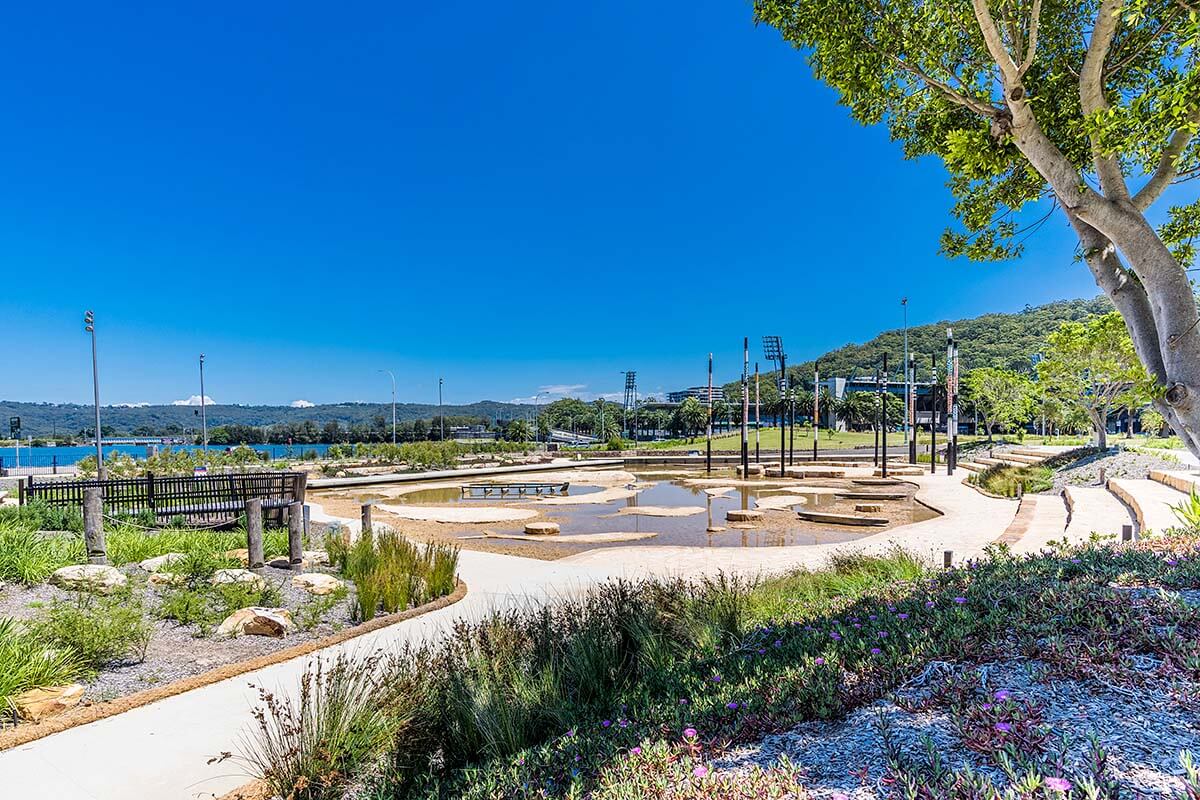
318	583
241	555
256	621
743	515
37	704
318	558
165	579
158	562
868	508
541	528
96	578
715	529
228	576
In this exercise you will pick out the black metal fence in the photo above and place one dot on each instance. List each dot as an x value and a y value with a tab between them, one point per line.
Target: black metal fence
190	496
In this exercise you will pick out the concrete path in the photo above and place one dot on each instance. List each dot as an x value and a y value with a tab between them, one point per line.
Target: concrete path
1150	501
1095	509
1046	522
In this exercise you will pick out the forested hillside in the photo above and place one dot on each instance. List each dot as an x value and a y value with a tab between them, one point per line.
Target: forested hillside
993	340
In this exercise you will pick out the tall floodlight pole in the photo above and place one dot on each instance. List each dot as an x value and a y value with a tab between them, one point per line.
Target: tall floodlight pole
203	415
393	377
89	325
745	406
441	415
773	350
816	405
907	385
757	419
708	435
630	402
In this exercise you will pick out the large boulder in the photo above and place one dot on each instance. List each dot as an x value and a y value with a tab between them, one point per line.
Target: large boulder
243	576
95	578
35	705
318	583
241	555
158	562
255	621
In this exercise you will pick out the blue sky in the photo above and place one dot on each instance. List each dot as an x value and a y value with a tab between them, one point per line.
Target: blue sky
512	195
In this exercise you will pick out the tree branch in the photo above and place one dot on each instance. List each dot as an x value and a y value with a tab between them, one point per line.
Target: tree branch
994	41
1035	17
1168	165
1091	94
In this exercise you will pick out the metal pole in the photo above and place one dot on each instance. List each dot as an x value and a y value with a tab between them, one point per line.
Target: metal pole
910	398
907	385
816	405
203	415
441	415
745	406
877	424
954	434
708	435
883	414
89	324
757	419
933	415
949	400
783	387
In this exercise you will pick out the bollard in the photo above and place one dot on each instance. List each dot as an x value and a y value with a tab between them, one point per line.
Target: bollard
307	519
1103	475
296	536
93	526
947	559
1020	490
1126	533
254	535
366	518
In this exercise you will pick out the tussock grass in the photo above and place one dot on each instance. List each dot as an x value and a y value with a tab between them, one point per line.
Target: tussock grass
26	662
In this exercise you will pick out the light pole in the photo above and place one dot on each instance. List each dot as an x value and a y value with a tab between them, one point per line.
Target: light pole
708	435
441	416
389	372
203	417
89	325
773	350
745	407
907	385
757	418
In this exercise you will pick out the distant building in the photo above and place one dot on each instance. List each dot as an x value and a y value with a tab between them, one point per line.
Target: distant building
698	392
467	432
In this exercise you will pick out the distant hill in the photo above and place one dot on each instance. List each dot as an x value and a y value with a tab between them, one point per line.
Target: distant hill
45	419
999	340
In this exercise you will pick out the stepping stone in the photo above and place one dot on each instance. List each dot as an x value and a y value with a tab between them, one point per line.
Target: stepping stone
318	583
95	578
743	515
868	508
840	519
541	528
752	469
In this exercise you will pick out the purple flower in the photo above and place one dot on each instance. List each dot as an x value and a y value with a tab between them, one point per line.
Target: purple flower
762	651
986	706
872	617
624	723
837	637
857	625
732	706
700	771
875	651
689	733
883	634
930	604
635	751
606	723
1002	695
960	600
577	756
1003	727
902	615
820	662
840	796
571	732
716	678
1058	784
778	643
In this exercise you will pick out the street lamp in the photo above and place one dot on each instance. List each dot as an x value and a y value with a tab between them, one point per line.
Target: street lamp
441	416
773	350
389	372
89	325
907	386
203	417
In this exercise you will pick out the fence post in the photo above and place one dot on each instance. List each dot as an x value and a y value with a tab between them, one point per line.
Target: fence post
307	517
300	486
54	465
366	519
254	535
1103	475
295	536
93	525
150	490
947	559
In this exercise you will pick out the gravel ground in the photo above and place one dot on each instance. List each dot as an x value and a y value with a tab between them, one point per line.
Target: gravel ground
1143	734
1117	463
176	651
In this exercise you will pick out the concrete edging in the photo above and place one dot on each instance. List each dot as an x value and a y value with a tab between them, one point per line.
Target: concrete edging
84	715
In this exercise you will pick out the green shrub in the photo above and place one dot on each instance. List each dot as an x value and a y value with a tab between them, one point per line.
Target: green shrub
1005	480
312	612
1188	511
99	629
29	556
394	574
26	662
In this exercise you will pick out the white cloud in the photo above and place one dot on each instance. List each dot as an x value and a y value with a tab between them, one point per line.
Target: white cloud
302	404
194	400
129	405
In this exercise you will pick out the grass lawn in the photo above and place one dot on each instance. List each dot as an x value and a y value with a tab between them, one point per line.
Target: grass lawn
829	440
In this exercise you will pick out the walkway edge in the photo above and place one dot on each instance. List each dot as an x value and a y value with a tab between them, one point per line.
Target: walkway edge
85	715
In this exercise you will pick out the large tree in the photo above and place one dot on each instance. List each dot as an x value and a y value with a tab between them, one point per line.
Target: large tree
1085	106
1002	397
1093	364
